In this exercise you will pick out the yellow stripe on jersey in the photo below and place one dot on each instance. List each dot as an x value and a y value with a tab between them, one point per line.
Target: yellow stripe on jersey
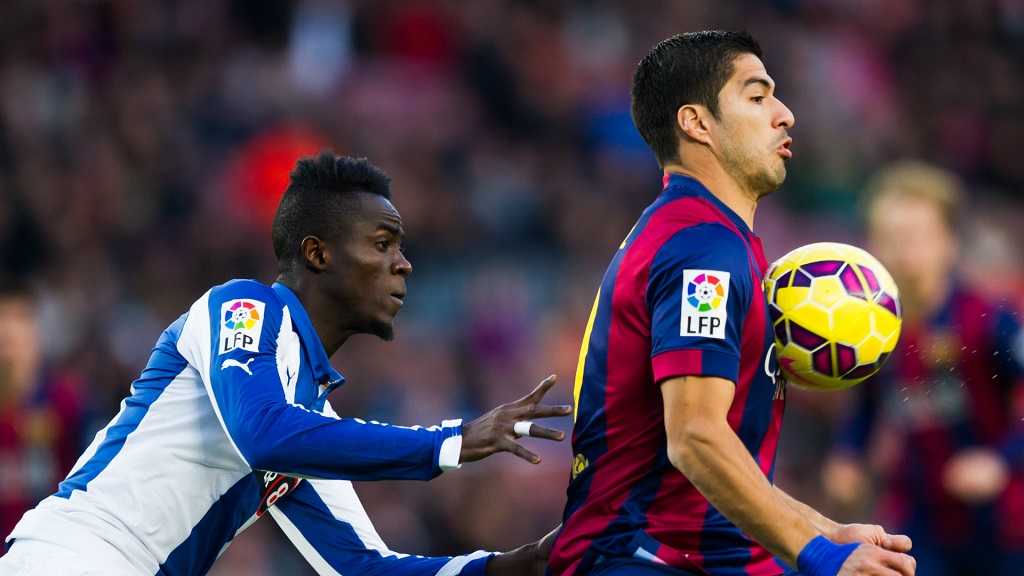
583	357
626	239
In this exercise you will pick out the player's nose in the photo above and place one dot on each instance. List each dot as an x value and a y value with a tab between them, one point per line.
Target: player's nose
784	118
402	266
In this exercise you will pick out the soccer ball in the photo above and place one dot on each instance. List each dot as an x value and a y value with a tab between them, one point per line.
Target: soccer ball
836	314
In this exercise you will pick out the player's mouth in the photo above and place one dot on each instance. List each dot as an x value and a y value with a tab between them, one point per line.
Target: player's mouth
783	148
398	297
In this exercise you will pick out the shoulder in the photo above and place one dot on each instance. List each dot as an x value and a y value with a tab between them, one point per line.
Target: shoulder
242	289
243	293
245	301
705	244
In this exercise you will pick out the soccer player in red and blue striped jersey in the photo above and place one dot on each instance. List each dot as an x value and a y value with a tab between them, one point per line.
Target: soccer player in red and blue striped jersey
679	400
940	425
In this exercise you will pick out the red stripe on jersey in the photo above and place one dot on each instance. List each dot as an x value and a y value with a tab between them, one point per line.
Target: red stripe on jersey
676	517
675	362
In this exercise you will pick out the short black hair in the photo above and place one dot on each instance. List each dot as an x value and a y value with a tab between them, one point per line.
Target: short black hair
319	199
688	68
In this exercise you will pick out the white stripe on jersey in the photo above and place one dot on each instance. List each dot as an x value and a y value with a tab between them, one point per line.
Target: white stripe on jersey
288	346
302	545
456	564
194	346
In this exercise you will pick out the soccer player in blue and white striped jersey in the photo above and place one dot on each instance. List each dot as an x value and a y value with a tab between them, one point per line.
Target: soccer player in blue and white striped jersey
230	420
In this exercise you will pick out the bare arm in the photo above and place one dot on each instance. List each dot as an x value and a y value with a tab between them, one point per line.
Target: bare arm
703	446
820	522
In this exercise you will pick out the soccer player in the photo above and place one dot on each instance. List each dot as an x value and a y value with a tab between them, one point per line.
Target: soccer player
941	413
679	400
230	420
42	408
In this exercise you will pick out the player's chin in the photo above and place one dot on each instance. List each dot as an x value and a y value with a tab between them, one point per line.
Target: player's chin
383	329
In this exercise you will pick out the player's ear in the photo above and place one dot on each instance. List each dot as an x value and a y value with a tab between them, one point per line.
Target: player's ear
693	121
314	253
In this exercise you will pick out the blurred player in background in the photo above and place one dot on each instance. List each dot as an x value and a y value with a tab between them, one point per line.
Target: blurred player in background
42	410
679	400
938	426
230	419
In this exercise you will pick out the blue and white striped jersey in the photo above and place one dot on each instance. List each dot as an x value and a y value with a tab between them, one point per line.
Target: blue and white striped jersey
239	383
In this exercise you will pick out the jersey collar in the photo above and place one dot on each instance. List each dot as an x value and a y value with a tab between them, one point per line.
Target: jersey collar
320	364
688	186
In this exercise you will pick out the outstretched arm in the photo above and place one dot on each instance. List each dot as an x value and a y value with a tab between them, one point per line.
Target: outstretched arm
325	521
703	446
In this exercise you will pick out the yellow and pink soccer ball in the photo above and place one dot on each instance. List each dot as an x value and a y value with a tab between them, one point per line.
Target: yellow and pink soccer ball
836	314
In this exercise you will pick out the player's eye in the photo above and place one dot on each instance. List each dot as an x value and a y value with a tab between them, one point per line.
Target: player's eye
758	99
382	244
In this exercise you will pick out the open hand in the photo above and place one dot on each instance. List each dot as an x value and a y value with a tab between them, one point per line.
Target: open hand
495	431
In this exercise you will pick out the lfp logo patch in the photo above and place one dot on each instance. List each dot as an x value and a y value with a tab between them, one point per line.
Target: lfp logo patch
704	310
242	324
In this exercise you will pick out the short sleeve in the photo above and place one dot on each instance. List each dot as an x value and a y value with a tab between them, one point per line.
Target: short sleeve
699	292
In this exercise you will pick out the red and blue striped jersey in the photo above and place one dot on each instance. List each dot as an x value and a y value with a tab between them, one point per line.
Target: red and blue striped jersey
954	382
681	297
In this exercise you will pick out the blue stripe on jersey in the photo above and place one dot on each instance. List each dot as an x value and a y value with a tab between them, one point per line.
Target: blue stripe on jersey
337	542
164	364
633	512
727	549
220	523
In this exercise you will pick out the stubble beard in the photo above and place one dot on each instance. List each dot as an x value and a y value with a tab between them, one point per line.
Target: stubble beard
383	330
766	181
742	161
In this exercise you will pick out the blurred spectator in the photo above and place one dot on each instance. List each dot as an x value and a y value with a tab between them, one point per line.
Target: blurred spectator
938	427
41	411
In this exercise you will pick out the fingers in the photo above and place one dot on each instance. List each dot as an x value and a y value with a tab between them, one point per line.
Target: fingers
873	560
902	563
535	431
518	449
534	411
538	393
546	433
897	543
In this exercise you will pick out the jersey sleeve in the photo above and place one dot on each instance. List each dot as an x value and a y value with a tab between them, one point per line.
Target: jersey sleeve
326	522
240	339
699	291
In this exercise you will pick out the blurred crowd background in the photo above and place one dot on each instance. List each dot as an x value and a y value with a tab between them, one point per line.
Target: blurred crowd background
144	145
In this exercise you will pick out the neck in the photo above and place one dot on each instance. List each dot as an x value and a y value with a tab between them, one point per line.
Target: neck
723	186
331	336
